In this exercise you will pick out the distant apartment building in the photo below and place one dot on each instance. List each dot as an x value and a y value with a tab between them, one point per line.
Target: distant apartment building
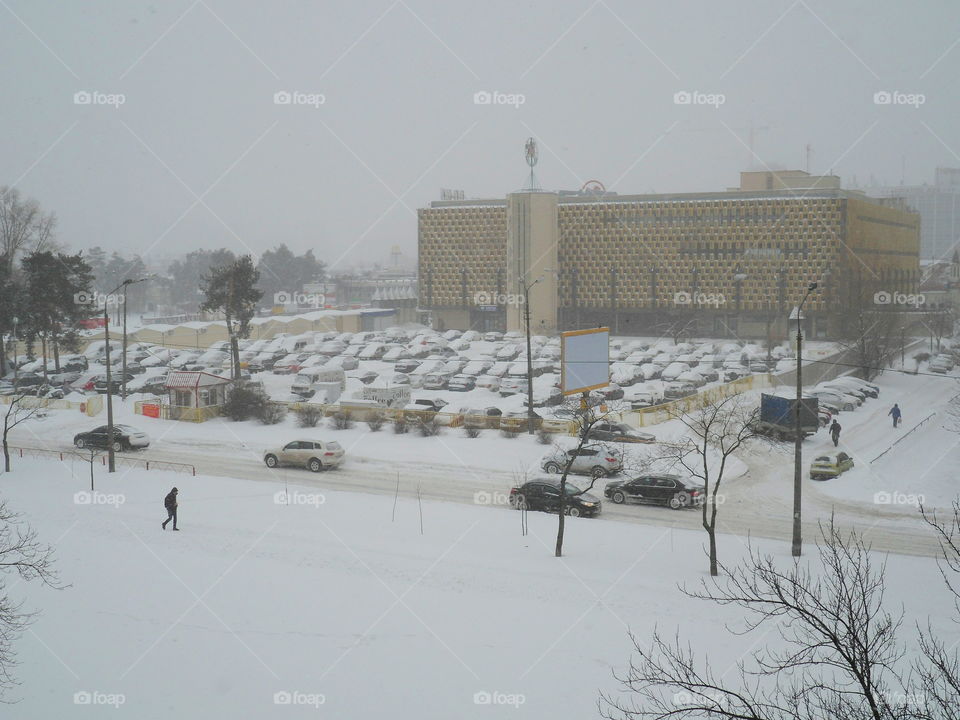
728	263
939	208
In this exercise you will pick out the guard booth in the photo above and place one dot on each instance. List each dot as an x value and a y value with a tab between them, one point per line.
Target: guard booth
195	396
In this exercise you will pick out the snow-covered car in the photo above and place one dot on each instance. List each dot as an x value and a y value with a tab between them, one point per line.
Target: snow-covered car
315	455
461	383
619	432
594	460
489	382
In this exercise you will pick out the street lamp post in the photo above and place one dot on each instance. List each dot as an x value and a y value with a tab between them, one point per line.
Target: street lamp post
798	435
111	455
14	320
525	297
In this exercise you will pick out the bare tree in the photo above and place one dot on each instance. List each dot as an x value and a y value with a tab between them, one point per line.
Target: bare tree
585	413
713	434
16	414
24	227
940	324
22	553
840	659
939	672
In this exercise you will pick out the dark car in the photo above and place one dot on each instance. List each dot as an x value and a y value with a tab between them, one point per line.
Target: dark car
406	366
544	495
667	490
116	382
618	432
124	438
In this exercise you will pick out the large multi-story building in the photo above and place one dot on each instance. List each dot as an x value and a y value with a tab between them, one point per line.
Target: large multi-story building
939	209
724	263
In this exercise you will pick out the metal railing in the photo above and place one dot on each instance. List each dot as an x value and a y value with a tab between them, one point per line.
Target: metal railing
903	437
120	459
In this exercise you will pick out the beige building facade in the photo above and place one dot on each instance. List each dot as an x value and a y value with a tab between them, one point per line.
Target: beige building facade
728	263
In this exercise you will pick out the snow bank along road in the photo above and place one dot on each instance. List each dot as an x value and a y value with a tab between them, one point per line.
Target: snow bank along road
758	503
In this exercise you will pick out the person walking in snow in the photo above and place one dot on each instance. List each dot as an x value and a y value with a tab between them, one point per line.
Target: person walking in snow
170	503
835	432
895	412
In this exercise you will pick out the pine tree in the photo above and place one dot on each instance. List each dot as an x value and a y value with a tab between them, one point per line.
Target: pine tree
232	290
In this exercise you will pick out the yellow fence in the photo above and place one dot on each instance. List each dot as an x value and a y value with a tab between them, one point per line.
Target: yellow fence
661	413
91	405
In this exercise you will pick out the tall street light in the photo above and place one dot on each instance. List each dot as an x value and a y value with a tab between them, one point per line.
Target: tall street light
111	455
798	434
525	297
14	320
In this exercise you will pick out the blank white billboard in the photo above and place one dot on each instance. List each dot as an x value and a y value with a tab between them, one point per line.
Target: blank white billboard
584	360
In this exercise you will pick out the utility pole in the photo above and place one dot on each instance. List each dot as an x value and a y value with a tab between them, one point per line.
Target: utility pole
111	455
797	544
526	321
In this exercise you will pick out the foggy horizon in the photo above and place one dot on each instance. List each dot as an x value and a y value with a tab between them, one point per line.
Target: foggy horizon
201	152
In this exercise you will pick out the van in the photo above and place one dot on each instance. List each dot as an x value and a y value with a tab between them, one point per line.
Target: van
303	383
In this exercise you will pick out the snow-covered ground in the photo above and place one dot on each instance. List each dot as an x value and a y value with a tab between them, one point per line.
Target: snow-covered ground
330	599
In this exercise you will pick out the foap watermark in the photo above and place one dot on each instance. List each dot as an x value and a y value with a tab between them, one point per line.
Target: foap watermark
884	297
895	97
296	697
699	299
902	699
298	498
95	697
482	497
485	97
695	97
95	97
897	498
295	97
314	300
95	497
492	298
99	299
495	697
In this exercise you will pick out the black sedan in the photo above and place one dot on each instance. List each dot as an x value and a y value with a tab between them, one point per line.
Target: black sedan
124	438
668	490
544	495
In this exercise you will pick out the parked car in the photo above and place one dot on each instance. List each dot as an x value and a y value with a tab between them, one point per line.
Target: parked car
544	495
668	490
594	460
315	455
116	382
830	465
124	438
489	382
675	390
619	432
462	383
406	366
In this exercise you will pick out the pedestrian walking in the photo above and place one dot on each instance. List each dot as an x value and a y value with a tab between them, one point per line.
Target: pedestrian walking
170	503
895	413
835	432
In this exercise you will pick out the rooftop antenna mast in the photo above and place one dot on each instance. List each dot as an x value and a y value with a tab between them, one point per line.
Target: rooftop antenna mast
532	156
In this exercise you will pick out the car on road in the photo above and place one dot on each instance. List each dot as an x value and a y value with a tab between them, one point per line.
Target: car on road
544	495
669	490
830	465
618	432
125	437
315	455
594	460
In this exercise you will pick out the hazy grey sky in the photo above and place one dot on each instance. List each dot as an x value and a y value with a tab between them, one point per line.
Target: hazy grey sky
200	155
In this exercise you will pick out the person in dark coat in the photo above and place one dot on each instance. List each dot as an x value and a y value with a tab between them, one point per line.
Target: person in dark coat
170	503
895	412
835	432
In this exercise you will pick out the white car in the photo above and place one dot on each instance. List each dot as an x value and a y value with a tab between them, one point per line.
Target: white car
315	455
594	460
489	382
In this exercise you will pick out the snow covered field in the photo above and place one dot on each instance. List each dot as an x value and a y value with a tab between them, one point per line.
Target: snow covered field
328	600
